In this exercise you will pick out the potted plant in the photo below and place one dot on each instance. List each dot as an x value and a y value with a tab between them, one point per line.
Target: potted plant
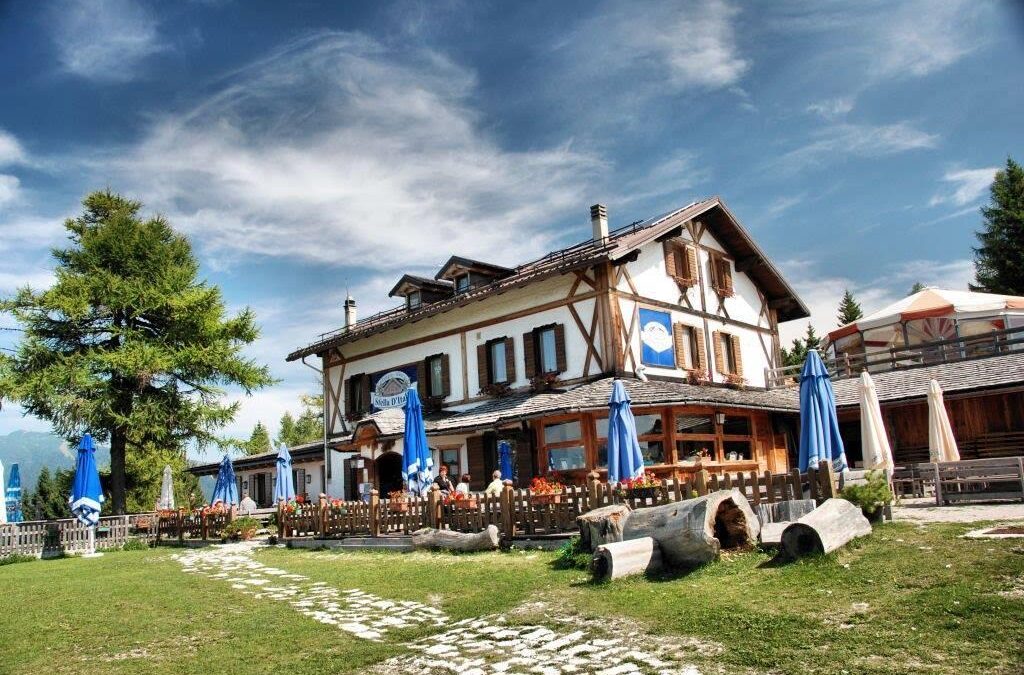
871	496
698	377
460	500
243	529
398	501
644	486
736	381
546	490
543	382
337	507
497	389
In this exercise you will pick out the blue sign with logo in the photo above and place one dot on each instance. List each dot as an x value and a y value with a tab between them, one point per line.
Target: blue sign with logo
656	343
388	387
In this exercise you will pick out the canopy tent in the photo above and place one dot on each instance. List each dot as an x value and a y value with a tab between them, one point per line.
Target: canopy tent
625	460
166	501
417	462
284	487
819	424
928	316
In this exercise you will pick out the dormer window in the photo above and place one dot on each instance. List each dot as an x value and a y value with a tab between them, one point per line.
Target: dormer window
461	283
413	300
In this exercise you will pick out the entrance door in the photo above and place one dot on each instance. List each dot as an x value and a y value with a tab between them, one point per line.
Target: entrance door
299	477
389	473
258	489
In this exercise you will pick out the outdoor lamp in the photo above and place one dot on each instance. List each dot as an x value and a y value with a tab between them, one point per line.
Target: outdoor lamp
719	418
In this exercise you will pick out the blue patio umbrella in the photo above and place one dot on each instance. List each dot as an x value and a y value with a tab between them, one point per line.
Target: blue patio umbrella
284	489
417	463
86	494
624	457
226	489
3	497
505	460
819	425
13	495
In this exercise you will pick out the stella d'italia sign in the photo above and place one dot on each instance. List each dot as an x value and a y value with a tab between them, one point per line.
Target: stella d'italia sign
390	390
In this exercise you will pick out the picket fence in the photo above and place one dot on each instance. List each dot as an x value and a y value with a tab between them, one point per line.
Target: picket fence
51	537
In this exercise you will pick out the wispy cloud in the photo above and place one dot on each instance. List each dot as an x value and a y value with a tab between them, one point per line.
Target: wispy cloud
842	141
670	178
832	108
922	37
337	149
11	151
966	186
781	204
105	40
9	190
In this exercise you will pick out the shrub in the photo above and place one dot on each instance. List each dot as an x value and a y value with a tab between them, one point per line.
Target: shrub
241	528
16	558
870	496
134	545
571	556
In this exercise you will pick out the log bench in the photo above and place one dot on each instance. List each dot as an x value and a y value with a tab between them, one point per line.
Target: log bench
979	480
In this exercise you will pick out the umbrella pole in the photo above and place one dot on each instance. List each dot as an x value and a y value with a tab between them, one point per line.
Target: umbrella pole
91	553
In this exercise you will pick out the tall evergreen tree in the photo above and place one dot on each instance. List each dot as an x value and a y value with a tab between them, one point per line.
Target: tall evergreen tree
797	354
917	288
128	343
999	260
849	309
259	441
308	427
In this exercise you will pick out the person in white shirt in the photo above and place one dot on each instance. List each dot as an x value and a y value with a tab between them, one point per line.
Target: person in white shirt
463	485
494	487
247	505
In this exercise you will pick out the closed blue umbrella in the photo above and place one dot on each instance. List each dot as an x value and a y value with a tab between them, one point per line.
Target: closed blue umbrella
417	463
624	457
3	497
226	489
505	460
86	494
13	493
819	425
284	490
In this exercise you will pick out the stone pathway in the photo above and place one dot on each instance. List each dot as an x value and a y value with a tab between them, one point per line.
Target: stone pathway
925	511
506	644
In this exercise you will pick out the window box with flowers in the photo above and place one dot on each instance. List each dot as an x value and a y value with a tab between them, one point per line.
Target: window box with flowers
398	501
644	486
496	390
544	382
734	381
546	490
460	500
698	377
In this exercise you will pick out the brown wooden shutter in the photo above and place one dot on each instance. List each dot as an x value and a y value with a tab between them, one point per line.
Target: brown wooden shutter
716	344
670	259
702	350
422	385
475	464
560	347
482	374
679	338
364	390
691	262
510	359
349	403
735	340
713	270
726	275
529	355
446	377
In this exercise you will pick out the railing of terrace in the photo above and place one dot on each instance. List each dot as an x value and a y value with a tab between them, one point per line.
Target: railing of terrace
925	354
521	512
40	537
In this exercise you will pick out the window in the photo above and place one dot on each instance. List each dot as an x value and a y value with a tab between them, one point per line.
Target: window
564	431
696	437
544	350
566	459
414	299
450	458
721	275
357	399
736	425
546	357
435	376
650	432
461	283
681	262
497	356
737	438
728	360
564	443
687	347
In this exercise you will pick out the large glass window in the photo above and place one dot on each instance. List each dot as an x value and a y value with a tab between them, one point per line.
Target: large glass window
450	458
696	438
435	376
649	430
695	424
564	431
497	361
564	443
736	451
736	425
567	458
548	358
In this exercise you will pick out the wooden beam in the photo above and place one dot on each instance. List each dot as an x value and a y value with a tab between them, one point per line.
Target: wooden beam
671	234
780	303
748	263
633	256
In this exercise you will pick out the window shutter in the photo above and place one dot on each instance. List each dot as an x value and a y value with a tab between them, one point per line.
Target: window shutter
702	350
446	377
713	270
670	259
726	275
476	466
679	338
691	262
560	347
349	403
483	376
529	354
716	343
422	387
735	340
364	403
510	359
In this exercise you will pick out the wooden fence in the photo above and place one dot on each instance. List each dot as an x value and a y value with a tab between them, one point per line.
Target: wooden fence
520	512
197	526
51	537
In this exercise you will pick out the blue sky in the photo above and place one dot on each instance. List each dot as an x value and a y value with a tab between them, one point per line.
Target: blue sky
305	147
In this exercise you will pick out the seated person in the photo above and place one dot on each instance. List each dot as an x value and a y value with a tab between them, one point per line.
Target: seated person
463	485
247	505
495	486
443	481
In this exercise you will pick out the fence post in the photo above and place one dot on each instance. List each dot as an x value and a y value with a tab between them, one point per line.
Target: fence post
702	482
769	486
280	519
374	513
508	516
181	526
593	485
434	506
322	522
794	478
828	478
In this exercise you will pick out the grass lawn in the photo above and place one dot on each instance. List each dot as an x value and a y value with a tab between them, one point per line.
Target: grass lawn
933	605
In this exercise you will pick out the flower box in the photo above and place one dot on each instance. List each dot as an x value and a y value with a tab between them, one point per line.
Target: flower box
468	503
642	492
398	507
548	498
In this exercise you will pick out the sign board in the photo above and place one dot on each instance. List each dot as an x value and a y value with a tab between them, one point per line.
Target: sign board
388	388
656	344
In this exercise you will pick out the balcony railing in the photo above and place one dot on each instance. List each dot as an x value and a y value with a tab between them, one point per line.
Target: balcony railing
895	358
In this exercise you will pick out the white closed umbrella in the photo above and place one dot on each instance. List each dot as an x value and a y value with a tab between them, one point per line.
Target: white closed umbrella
3	496
166	502
877	453
941	442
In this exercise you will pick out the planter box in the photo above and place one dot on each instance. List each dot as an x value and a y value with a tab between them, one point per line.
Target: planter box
555	498
465	504
643	493
398	507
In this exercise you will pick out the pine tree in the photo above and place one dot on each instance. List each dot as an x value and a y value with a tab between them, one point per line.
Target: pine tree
796	355
308	427
128	343
916	288
999	261
849	309
259	441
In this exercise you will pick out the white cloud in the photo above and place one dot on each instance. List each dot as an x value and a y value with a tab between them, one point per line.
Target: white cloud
923	37
781	204
105	40
840	141
968	186
10	188
336	149
11	151
832	108
671	178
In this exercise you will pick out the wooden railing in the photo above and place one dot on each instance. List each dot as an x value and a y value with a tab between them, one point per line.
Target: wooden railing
926	354
51	537
520	512
196	526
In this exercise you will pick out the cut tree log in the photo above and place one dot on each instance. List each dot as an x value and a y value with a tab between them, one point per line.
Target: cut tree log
428	537
624	558
693	532
825	529
784	512
602	525
771	533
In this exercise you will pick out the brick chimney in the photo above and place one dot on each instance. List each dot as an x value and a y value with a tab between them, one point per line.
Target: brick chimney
350	312
599	221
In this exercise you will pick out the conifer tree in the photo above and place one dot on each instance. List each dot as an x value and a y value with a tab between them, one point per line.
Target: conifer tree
999	260
849	309
259	441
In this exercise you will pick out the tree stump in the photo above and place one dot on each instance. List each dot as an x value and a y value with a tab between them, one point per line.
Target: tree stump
784	512
602	525
624	558
429	538
824	529
693	532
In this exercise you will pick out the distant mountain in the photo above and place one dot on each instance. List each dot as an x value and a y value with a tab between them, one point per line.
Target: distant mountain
33	450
